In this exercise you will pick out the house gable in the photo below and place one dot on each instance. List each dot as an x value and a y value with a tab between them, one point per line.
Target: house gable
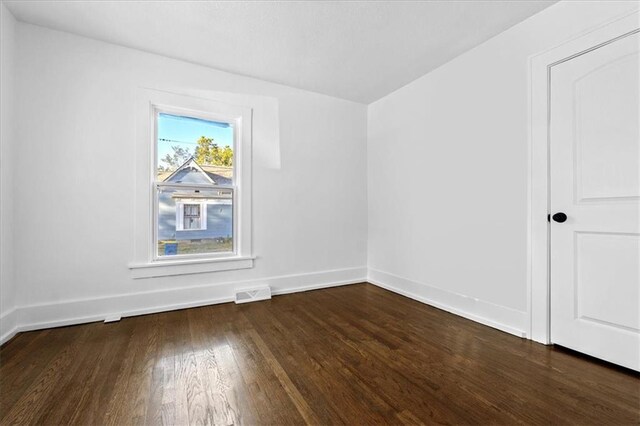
190	172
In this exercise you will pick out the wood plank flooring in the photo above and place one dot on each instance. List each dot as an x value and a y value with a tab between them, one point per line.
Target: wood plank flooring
347	355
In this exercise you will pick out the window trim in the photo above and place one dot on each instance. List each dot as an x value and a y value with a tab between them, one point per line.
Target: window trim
146	262
202	215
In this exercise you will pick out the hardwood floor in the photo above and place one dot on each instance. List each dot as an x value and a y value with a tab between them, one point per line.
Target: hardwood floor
355	354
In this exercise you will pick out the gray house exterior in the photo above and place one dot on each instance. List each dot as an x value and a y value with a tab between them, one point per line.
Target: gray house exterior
191	215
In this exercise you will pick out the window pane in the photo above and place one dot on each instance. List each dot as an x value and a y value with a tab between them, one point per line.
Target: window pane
194	221
193	150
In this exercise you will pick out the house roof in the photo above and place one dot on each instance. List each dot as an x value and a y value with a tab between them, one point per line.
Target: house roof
218	175
221	175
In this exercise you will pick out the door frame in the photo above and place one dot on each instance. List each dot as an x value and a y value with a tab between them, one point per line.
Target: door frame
539	189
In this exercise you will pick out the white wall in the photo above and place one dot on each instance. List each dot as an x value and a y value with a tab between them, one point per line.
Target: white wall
446	161
7	136
448	168
74	182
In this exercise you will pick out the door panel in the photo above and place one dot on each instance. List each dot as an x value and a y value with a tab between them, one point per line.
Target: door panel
611	171
595	180
601	259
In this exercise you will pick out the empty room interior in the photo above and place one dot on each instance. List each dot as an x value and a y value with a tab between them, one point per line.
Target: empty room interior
320	212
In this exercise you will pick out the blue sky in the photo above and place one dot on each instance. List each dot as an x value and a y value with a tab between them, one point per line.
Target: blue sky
185	131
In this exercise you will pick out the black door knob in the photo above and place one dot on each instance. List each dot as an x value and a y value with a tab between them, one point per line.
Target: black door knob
559	217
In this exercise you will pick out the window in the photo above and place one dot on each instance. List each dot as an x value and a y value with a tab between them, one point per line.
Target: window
194	183
200	199
191	217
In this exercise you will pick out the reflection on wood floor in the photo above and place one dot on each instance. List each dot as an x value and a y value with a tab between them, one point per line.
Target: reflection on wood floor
354	354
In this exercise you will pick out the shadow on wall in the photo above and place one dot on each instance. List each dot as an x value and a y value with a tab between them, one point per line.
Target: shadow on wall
266	122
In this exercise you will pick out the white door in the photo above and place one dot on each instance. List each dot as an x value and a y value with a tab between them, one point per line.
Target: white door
595	176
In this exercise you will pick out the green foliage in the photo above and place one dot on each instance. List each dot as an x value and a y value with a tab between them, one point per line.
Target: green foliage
226	156
209	153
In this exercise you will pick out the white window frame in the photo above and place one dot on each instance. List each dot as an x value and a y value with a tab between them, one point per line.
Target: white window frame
180	215
147	263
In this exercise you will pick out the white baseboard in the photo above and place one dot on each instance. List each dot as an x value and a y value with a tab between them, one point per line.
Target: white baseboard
35	317
500	317
8	325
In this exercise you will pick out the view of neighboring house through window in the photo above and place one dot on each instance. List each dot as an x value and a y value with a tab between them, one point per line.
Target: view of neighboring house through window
194	186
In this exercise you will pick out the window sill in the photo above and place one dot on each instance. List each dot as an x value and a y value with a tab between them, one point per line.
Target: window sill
166	268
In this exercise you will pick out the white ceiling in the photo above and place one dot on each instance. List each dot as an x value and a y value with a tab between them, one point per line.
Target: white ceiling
359	50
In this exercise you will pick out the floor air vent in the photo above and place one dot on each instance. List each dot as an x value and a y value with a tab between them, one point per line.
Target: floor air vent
253	294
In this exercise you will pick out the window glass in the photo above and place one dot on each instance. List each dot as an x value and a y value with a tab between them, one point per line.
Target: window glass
207	144
191	216
194	216
194	221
